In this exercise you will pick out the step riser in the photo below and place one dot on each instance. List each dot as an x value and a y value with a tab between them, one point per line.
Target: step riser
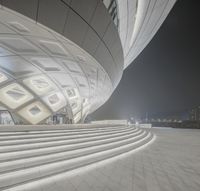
66	132
65	155
18	178
67	147
30	129
11	148
61	137
76	154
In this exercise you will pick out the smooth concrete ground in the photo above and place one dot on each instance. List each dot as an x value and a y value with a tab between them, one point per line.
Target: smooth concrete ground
170	163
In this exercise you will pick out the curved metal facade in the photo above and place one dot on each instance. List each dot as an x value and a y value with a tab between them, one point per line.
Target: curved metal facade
66	57
58	57
139	22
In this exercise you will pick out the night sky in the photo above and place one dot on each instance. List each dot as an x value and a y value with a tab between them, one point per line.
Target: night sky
165	77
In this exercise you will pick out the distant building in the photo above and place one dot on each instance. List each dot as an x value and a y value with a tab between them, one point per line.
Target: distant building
194	114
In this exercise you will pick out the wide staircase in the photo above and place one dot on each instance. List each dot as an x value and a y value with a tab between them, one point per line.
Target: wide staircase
30	156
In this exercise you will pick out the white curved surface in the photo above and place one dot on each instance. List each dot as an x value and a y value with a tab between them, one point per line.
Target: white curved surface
43	73
149	16
67	64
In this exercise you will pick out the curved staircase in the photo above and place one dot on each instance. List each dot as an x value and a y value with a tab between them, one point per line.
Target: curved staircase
27	157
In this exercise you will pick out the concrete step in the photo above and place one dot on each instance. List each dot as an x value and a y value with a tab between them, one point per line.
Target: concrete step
60	131
58	134
6	142
18	178
53	156
32	152
50	143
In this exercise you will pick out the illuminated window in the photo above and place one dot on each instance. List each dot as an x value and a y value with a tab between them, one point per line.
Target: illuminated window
39	84
71	93
55	101
2	77
35	112
14	95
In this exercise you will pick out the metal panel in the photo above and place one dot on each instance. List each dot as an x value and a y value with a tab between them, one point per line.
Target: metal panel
56	21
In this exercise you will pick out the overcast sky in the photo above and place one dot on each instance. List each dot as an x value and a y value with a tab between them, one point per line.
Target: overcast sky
165	77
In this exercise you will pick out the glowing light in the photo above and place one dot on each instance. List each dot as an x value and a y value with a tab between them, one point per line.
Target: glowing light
14	95
2	77
55	101
35	112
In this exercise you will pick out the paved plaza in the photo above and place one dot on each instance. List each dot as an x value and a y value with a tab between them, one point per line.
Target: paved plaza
170	162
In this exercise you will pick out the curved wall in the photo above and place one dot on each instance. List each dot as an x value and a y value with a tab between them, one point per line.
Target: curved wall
72	45
139	22
85	22
76	49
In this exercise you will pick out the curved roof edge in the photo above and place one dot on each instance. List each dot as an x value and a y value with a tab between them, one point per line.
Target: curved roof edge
139	22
